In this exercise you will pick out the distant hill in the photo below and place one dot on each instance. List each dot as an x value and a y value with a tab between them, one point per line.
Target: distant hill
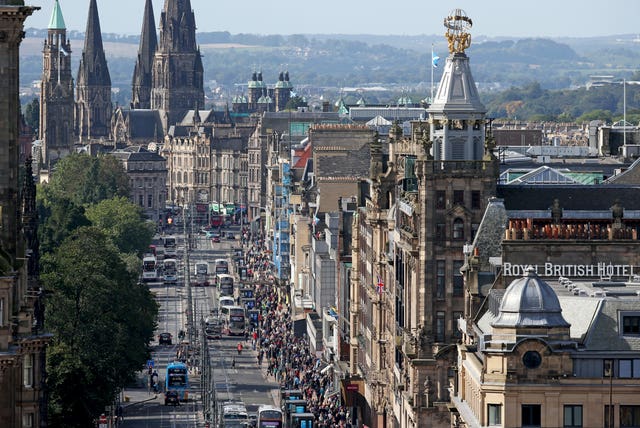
400	63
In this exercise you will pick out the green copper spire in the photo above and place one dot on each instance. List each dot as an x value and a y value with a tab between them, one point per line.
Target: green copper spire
57	21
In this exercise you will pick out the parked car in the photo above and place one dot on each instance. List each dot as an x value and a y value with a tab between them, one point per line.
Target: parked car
165	338
231	235
171	397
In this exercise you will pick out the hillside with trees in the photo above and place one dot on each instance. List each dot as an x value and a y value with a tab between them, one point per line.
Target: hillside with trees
540	73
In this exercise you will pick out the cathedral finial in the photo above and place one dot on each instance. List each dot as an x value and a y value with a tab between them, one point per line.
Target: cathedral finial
458	26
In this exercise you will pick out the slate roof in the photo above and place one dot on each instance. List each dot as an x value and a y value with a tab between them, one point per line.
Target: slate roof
605	335
145	123
488	239
355	164
571	197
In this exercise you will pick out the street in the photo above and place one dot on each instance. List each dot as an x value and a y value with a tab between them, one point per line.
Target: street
243	381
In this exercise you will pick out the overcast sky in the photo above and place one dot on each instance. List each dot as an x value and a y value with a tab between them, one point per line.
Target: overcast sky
509	18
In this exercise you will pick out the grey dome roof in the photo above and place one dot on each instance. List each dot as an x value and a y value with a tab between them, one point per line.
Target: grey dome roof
530	302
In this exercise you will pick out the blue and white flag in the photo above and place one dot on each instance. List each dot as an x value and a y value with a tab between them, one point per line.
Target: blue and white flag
65	53
434	60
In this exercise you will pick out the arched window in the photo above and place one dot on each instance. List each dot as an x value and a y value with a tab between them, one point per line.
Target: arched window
458	228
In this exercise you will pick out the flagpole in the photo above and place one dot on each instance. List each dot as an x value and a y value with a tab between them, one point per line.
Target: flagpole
59	47
431	101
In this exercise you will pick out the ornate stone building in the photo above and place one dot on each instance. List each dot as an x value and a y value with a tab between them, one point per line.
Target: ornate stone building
147	173
93	85
424	204
177	75
22	340
207	159
56	92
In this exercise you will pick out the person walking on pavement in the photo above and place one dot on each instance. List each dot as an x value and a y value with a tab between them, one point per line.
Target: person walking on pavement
239	348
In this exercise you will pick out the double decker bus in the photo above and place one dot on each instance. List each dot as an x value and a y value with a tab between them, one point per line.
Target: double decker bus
234	320
269	417
149	268
225	284
177	379
233	415
221	266
170	271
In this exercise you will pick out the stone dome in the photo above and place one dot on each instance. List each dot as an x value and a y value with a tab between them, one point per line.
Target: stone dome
530	302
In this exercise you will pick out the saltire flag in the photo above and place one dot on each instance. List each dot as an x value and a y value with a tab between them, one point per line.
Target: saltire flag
434	60
380	285
65	53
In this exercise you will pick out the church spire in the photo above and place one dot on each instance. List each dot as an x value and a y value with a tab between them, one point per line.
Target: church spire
177	27
56	92
94	82
57	21
177	70
141	85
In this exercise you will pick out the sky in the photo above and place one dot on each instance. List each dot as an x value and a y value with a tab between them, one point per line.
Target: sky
492	18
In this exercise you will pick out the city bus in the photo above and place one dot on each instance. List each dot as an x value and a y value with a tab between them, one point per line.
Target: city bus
201	268
269	417
221	266
302	420
177	379
170	248
233	415
149	268
170	271
234	320
225	284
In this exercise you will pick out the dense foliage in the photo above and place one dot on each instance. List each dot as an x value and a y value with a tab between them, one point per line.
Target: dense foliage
101	317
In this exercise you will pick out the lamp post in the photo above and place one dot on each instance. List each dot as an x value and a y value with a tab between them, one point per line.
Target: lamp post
187	277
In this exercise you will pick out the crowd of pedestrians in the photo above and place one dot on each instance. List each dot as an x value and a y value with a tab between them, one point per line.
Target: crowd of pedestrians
287	357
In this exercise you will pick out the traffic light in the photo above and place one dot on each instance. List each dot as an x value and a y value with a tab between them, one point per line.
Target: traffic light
169	220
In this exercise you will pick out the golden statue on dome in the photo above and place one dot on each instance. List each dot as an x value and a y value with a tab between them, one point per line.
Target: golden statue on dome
458	25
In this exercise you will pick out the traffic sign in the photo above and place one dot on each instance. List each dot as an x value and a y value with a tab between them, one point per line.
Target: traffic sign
102	423
150	363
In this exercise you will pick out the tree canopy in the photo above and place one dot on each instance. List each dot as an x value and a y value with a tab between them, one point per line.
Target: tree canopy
102	320
123	222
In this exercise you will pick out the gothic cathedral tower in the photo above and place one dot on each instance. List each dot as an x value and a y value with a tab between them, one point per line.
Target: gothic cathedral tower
93	90
142	76
177	69
56	92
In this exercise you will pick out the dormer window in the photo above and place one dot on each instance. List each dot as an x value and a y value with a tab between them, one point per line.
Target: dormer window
630	323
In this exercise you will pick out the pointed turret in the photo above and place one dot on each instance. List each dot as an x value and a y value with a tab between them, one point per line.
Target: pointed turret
142	75
57	21
456	114
94	83
56	92
177	70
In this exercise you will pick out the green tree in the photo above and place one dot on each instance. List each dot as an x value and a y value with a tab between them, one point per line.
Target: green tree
86	180
102	320
295	102
58	217
123	222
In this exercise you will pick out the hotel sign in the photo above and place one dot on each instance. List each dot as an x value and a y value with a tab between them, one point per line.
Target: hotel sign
574	271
